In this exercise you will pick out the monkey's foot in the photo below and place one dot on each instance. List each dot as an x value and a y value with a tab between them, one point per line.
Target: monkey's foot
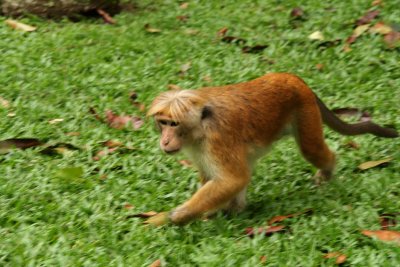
322	176
160	219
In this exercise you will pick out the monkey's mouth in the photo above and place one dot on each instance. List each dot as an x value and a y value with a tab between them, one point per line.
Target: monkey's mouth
173	151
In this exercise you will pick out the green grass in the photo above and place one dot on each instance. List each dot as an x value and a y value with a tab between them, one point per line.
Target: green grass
64	68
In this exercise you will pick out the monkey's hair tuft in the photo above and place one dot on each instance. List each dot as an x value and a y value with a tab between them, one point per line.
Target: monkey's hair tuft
177	104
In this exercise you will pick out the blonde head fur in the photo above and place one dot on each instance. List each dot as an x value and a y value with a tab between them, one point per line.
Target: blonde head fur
179	105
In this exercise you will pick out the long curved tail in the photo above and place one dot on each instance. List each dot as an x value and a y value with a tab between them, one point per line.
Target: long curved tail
345	128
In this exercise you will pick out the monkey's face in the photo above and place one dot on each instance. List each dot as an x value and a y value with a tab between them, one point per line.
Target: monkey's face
171	134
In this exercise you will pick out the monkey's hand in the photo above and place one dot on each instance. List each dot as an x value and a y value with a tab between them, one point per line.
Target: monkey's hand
160	219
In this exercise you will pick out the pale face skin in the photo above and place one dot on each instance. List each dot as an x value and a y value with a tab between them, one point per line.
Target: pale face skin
170	141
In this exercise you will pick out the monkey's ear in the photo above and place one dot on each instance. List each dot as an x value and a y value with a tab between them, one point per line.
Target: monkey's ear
206	112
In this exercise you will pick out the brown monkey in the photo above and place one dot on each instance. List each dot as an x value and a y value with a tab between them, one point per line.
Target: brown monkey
225	129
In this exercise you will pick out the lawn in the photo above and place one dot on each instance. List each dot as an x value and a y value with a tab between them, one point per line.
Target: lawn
63	69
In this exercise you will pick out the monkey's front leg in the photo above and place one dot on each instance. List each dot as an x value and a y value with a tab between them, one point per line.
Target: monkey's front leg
209	198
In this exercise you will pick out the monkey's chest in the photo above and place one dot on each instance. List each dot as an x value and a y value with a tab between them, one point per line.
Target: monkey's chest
202	160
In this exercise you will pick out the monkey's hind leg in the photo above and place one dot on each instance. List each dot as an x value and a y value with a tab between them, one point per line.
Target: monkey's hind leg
309	136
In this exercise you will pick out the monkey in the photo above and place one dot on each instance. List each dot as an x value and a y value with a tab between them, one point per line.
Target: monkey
224	130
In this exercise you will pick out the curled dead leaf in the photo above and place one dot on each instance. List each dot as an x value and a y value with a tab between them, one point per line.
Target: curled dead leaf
380	28
383	235
368	17
297	13
251	231
20	26
280	218
222	32
122	121
150	29
106	17
340	258
392	39
128	206
374	163
156	263
184	5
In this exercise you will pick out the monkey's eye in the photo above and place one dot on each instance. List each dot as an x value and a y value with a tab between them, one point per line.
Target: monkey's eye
174	123
163	122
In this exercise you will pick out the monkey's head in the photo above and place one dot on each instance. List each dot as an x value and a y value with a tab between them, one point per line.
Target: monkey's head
178	116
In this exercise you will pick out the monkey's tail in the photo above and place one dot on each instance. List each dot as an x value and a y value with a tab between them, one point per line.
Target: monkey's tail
345	128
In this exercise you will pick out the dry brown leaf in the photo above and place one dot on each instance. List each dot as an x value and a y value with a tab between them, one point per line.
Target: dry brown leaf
182	18
319	66
376	3
368	17
191	31
150	29
20	26
207	79
280	218
222	32
102	153
128	206
263	259
122	121
112	143
384	235
251	231
184	5
380	28
388	220
156	263
297	13
4	103
374	163
22	143
174	87
106	17
254	49
352	144
392	39
340	258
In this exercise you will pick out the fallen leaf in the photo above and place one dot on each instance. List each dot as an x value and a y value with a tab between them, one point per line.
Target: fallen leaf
112	143
106	17
374	163
11	114
352	144
59	149
297	13
73	133
184	5
185	162
133	96
376	3
319	66
22	143
150	29
328	44
368	17
233	39
263	259
222	32
54	121
104	152
388	220
383	235
392	39
156	263
340	258
380	28
207	79
182	18
147	214
250	231
128	206
122	121
280	218
174	87
316	36
254	49
4	103
20	26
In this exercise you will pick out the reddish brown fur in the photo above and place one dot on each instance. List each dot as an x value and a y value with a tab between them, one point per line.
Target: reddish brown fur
225	128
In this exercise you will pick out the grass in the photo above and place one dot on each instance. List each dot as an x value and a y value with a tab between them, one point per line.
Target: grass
64	68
